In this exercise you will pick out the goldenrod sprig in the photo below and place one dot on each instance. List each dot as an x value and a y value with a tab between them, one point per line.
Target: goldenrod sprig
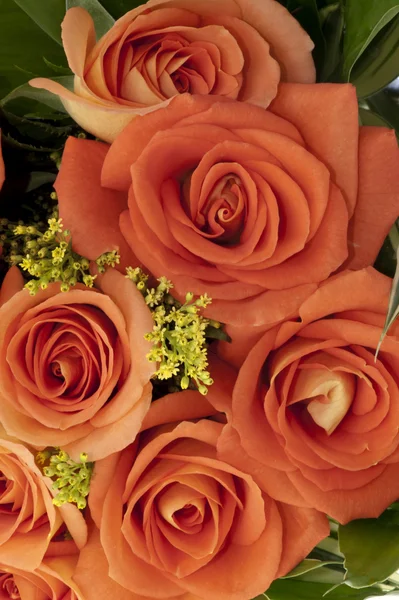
72	479
49	258
178	335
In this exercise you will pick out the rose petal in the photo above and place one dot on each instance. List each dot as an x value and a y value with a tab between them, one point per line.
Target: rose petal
289	43
378	201
82	200
78	38
102	119
364	502
329	125
12	283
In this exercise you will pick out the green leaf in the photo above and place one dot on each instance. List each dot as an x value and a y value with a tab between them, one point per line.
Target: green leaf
101	17
39	178
24	146
368	117
42	96
333	27
217	333
117	8
57	69
24	45
371	549
363	21
387	107
393	306
47	14
379	64
47	134
386	260
306	566
294	589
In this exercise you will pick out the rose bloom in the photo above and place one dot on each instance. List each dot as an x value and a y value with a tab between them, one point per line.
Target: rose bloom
50	581
175	519
315	408
74	368
252	207
29	518
234	48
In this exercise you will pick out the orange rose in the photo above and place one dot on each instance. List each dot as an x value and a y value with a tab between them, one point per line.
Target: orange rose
314	407
74	367
175	519
232	48
247	205
52	580
29	518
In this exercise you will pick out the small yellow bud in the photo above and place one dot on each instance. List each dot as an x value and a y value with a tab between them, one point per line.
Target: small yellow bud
184	382
88	280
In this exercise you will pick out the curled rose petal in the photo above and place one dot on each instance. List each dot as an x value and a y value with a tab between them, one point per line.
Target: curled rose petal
165	48
312	402
74	367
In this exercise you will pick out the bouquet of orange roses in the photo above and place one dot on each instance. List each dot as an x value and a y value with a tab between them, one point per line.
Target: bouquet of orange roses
199	360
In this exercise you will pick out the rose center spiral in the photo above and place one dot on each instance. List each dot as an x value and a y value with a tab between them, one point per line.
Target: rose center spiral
159	66
220	215
326	394
10	588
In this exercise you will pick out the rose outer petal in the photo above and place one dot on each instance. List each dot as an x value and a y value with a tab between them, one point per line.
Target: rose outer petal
328	122
290	44
12	283
89	211
78	38
378	200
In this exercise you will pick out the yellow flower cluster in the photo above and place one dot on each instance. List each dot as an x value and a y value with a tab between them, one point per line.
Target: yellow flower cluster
179	333
71	478
50	258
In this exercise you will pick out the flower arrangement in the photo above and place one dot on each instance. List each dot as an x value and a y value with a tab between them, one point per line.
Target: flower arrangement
199	358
